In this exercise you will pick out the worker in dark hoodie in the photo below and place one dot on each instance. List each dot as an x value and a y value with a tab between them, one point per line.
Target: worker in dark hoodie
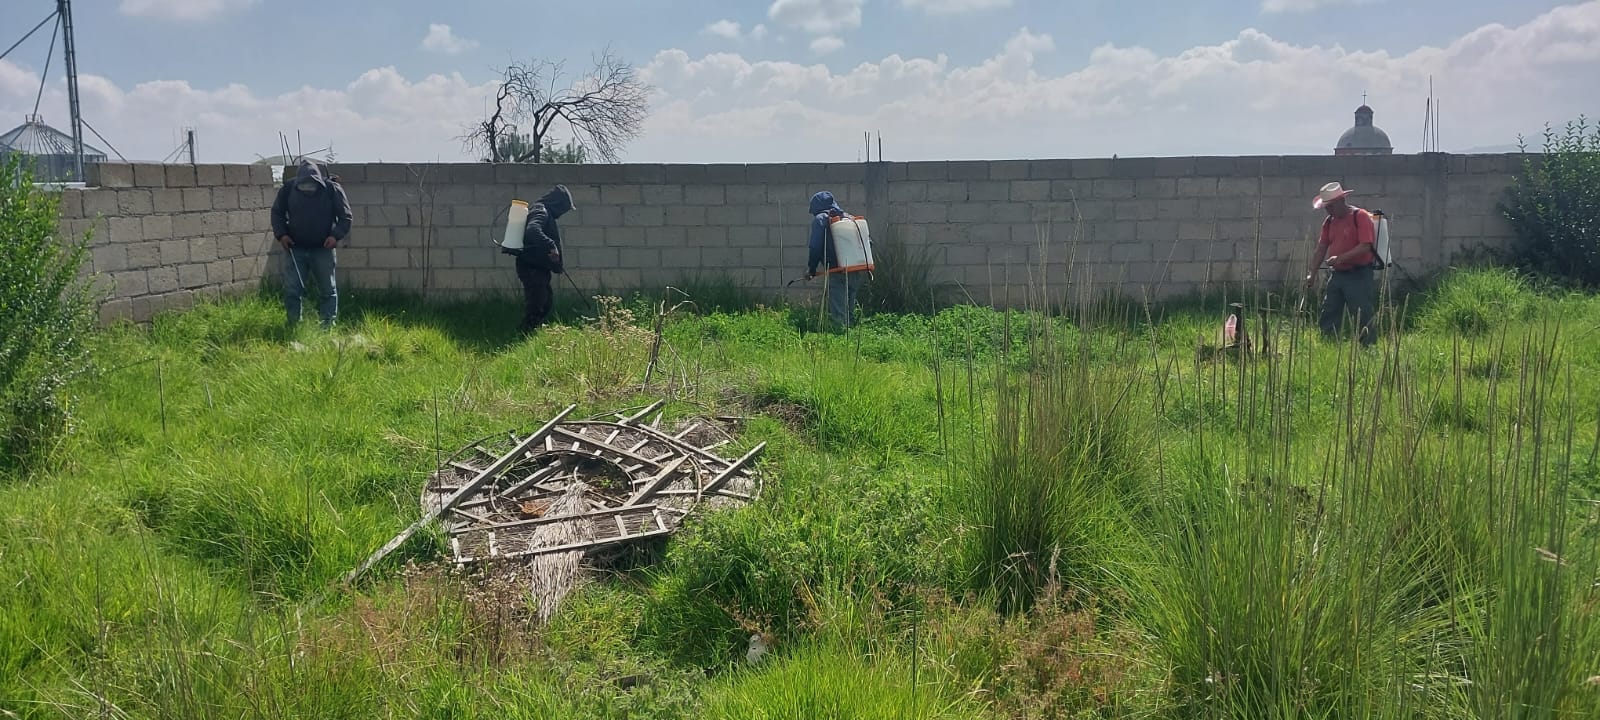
540	256
310	216
840	289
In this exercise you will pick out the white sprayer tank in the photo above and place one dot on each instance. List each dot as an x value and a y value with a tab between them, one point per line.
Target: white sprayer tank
852	243
1381	237
516	217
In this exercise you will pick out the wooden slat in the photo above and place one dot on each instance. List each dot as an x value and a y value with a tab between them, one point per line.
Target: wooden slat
720	480
470	487
629	454
531	552
659	481
551	519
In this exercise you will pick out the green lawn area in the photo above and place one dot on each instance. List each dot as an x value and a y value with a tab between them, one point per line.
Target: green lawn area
969	514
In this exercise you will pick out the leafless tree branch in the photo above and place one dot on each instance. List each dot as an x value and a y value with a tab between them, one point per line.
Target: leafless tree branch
603	110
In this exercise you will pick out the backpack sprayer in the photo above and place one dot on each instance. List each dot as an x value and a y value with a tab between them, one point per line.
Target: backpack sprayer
510	241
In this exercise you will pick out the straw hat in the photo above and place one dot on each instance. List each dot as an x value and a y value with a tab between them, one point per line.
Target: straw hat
1329	193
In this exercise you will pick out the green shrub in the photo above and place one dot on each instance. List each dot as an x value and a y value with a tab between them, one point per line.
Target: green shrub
825	682
1474	302
1554	207
45	313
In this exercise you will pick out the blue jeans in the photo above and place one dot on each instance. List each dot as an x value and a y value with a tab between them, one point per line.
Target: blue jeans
303	266
842	290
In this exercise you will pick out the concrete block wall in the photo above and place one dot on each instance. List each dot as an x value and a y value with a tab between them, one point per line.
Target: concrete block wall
163	236
1154	227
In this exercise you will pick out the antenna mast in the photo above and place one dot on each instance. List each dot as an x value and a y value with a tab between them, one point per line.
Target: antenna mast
70	48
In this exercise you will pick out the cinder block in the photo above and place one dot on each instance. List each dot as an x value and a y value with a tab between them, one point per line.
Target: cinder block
928	212
400	174
643	216
1216	166
70	204
1091	169
1174	167
173	252
411	237
157	227
837	173
447	195
97	203
621	195
167	200
1196	187
219	272
681	257
180	176
197	199
241	221
727	216
130	283
1239	186
389	258
1113	189
905	192
236	174
116	311
663	194
188	225
968	212
209	175
683	174
1012	212
460	173
625	237
134	202
1010	170
126	229
704	195
1281	186
249	268
947	192
1196	230
774	214
1156	188
1156	231
967	170
596	216
163	279
1134	210
1463	226
148	175
748	236
202	249
225	197
765	174
1030	190
1184	209
191	276
746	194
108	175
927	171
108	258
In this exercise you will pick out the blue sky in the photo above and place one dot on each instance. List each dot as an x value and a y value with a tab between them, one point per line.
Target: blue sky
791	80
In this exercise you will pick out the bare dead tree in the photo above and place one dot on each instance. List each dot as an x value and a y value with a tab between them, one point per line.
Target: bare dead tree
603	110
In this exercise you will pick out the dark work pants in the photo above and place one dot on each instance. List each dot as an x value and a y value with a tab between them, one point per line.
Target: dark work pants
1350	293
536	296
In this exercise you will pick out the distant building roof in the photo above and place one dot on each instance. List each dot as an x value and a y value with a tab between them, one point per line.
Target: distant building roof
33	137
1365	138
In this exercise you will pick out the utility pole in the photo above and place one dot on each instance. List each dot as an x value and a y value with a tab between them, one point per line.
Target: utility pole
64	11
190	143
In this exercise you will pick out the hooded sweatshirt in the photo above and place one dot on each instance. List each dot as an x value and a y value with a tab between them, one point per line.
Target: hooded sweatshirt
823	209
310	209
541	234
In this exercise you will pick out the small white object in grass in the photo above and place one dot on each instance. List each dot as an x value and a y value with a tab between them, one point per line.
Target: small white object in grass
760	644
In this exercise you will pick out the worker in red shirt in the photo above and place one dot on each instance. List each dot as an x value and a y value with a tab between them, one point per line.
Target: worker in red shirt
1347	246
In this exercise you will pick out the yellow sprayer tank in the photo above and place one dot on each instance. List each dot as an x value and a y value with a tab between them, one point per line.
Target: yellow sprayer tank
852	243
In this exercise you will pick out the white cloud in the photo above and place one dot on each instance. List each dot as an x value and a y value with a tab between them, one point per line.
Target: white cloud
827	44
186	10
758	32
441	39
952	7
726	29
818	17
1251	94
1305	6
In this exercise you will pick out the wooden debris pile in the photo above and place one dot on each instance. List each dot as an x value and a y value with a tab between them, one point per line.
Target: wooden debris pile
577	487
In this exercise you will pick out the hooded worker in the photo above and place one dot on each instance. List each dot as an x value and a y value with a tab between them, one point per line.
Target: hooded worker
540	255
310	216
841	287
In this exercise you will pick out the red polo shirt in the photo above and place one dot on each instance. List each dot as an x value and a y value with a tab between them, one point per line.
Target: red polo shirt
1343	235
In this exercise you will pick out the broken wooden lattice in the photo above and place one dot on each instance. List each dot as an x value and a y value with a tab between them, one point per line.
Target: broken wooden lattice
576	487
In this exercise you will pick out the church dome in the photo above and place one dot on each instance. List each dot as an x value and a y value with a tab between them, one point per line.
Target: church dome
1365	138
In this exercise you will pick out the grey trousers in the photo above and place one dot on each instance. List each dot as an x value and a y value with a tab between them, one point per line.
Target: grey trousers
1354	292
841	292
